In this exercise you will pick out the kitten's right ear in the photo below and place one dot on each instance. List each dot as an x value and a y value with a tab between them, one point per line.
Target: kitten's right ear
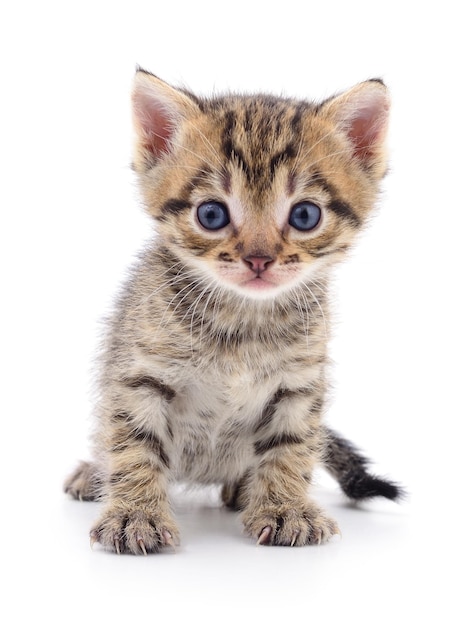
158	110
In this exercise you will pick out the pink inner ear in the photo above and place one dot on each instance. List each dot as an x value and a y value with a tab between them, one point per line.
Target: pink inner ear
366	129
154	123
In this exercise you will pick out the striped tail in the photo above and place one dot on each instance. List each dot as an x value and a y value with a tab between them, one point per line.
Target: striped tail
350	468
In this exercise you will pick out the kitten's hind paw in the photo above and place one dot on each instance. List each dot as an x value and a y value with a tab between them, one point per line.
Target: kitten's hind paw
134	532
85	483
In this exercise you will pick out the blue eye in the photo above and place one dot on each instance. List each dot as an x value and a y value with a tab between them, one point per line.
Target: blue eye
305	216
213	215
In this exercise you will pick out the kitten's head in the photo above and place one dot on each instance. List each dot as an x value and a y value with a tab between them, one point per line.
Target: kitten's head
258	194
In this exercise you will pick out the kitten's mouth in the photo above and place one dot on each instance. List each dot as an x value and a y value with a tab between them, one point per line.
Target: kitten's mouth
258	282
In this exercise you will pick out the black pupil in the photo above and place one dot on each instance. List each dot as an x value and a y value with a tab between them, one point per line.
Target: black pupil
211	215
304	215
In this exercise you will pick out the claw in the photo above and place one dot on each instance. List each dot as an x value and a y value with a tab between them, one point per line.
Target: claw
168	540
140	543
117	546
94	537
264	536
294	538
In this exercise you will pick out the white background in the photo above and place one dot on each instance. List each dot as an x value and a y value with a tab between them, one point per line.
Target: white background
70	224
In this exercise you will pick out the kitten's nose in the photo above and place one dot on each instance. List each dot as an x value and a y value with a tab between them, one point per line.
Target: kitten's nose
258	263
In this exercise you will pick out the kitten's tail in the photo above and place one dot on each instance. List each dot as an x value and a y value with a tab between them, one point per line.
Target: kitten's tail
350	468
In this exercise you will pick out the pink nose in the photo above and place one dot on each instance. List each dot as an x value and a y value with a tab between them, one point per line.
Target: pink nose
258	263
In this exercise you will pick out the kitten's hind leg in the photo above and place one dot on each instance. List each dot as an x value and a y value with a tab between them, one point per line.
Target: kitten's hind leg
235	494
350	468
85	483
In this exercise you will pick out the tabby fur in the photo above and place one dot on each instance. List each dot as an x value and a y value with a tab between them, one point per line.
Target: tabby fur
213	368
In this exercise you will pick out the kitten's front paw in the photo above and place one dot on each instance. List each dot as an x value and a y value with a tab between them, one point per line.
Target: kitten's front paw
134	531
289	526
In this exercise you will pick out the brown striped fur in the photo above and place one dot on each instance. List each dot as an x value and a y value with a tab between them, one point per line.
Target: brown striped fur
213	369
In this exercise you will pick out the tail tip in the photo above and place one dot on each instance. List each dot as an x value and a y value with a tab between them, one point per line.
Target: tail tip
366	486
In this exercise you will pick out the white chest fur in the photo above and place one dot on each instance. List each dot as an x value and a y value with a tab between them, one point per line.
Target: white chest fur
213	418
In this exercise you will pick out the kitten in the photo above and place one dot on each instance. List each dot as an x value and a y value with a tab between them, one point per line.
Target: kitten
213	368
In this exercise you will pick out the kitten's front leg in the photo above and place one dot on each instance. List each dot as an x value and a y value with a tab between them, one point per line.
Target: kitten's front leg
279	511
137	518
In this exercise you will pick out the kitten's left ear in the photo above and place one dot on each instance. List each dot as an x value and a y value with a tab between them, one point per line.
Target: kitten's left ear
159	110
362	112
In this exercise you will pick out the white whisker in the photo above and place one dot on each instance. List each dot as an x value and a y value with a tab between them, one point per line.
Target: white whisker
207	142
325	326
193	307
188	150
